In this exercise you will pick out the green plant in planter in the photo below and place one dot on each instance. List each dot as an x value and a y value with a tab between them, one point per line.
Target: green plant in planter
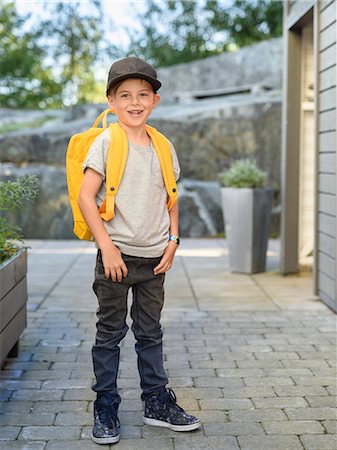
13	194
243	173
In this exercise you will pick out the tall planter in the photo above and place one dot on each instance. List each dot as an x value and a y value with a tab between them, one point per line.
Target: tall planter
13	303
247	217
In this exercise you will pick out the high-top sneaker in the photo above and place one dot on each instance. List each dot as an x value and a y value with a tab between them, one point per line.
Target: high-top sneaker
161	410
106	423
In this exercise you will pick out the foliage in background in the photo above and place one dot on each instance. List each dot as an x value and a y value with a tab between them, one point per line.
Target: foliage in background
13	194
23	80
177	31
244	173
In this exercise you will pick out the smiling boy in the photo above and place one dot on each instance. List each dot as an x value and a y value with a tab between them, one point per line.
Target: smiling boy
135	250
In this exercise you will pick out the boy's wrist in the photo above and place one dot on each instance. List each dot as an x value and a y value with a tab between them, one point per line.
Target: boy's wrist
175	238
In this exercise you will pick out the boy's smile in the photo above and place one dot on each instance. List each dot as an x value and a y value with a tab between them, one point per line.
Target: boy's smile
133	101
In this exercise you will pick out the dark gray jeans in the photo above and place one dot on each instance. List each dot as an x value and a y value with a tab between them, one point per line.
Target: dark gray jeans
148	300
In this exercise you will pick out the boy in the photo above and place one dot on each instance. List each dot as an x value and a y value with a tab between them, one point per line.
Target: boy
135	249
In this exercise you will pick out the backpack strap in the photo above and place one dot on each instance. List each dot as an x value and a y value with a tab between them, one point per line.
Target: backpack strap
163	150
115	165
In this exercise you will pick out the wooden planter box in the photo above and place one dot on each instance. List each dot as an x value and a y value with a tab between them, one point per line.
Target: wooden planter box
13	300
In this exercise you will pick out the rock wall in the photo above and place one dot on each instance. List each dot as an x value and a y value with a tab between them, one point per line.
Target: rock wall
258	63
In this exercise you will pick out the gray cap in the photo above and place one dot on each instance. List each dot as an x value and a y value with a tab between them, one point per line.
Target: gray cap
131	67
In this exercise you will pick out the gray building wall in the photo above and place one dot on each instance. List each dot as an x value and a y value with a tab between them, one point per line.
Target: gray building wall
326	128
323	13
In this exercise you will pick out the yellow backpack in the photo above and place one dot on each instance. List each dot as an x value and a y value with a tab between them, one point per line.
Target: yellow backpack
77	150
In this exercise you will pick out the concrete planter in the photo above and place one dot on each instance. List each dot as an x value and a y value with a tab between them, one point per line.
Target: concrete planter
247	216
13	300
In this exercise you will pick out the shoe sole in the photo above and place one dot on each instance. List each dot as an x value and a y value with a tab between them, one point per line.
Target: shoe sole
161	423
108	440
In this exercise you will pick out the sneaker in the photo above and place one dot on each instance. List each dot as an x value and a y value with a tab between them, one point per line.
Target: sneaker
161	410
106	423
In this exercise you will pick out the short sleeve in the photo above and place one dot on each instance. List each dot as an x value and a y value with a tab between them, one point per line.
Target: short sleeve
97	155
176	166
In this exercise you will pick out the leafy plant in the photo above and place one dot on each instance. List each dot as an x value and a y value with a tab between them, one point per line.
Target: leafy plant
244	173
13	194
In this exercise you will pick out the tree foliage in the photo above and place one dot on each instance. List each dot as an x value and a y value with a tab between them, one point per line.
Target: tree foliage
23	80
176	31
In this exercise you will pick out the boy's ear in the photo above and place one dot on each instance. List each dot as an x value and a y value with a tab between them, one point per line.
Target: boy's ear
110	101
156	100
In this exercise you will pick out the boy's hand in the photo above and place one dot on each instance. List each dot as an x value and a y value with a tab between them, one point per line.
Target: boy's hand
113	263
167	259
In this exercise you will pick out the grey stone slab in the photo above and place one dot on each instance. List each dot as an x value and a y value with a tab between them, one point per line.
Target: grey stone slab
21	445
232	428
11	406
50	433
269	381
9	433
276	442
37	394
74	418
311	413
46	375
225	403
280	402
248	392
257	415
72	445
193	442
66	384
294	427
300	391
326	400
321	442
24	419
330	426
79	394
217	382
60	406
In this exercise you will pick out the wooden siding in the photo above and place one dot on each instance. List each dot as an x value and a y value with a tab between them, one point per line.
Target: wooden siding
326	222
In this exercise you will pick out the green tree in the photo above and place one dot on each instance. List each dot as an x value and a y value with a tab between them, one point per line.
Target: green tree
73	38
247	22
181	30
24	83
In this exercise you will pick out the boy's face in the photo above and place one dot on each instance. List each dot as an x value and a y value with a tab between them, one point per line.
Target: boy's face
133	101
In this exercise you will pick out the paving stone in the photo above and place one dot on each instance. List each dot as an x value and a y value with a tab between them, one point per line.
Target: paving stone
295	427
232	428
248	392
46	375
225	403
72	445
22	419
50	433
276	442
66	384
217	382
330	426
78	394
11	406
21	445
60	406
73	418
326	400
280	402
269	381
18	384
37	394
256	415
9	432
321	442
300	391
311	413
192	442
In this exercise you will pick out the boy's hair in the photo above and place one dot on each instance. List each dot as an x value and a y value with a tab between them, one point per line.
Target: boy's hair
131	67
113	90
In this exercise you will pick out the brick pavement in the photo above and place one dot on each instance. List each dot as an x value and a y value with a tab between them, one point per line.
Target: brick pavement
252	356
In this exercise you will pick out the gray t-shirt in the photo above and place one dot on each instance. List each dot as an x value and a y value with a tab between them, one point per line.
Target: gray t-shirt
141	223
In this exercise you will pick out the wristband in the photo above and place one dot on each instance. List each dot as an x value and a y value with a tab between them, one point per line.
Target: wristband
174	238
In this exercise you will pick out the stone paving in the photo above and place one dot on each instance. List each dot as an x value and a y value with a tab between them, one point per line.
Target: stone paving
252	355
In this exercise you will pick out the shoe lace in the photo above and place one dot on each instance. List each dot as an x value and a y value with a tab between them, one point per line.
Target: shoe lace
172	399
